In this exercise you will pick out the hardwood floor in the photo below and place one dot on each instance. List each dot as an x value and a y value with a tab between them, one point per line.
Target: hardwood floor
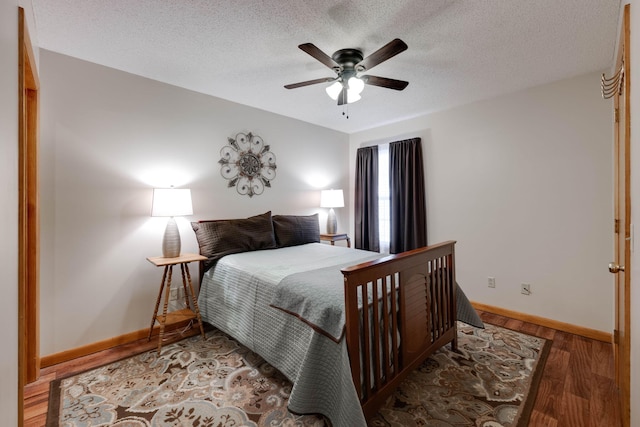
577	387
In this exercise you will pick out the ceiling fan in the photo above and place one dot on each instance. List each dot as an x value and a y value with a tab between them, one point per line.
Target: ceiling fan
347	64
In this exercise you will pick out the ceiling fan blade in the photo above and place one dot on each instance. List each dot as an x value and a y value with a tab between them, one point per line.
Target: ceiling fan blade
342	98
310	82
312	50
387	51
384	82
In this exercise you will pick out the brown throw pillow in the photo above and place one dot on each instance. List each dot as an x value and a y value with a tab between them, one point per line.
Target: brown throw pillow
230	236
292	230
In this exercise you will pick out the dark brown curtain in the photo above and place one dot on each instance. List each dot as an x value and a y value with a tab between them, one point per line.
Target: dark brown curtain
366	199
408	207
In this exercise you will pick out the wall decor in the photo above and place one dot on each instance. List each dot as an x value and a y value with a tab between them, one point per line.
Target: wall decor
248	164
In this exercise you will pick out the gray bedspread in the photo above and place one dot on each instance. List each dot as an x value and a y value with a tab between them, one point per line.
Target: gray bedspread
316	297
235	296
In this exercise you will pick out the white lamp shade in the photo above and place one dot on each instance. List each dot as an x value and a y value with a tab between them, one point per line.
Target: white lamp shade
171	202
356	85
331	199
354	88
334	90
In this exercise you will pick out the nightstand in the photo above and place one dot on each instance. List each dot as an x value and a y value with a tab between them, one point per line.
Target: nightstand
333	238
191	311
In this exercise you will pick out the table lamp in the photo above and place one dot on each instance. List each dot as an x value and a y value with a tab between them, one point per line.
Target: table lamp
171	202
331	199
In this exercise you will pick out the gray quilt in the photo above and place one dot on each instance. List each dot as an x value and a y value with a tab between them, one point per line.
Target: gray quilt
317	298
235	296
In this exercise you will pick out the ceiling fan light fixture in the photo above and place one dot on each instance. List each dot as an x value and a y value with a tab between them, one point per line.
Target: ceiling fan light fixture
347	63
354	89
334	90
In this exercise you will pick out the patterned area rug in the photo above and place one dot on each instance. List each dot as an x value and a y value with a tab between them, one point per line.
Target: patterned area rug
492	382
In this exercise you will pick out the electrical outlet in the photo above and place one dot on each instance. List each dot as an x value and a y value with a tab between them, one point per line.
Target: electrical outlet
492	282
525	289
173	294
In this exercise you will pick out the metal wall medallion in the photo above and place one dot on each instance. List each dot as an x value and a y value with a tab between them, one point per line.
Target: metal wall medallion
248	164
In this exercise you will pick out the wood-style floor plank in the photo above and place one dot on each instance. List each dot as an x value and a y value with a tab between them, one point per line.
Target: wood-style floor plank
539	419
580	368
575	412
529	328
38	421
603	403
544	332
549	400
603	359
577	386
563	340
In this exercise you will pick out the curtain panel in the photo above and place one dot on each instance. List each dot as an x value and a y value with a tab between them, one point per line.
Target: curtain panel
408	200
366	199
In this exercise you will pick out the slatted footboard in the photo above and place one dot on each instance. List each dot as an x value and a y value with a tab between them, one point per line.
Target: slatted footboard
399	310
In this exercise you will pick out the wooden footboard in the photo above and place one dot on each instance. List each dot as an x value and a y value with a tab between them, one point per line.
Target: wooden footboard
410	299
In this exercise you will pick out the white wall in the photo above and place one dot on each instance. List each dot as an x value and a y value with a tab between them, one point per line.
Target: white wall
9	210
524	184
635	212
108	138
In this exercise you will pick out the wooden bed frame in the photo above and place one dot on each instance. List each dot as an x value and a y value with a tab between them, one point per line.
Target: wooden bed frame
421	309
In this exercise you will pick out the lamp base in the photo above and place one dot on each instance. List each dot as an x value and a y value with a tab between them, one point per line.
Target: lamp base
332	223
171	240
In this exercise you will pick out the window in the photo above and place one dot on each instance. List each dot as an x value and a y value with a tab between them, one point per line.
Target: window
384	207
390	187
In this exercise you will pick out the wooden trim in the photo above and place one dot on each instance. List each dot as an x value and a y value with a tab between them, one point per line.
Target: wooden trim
28	215
65	356
625	380
549	323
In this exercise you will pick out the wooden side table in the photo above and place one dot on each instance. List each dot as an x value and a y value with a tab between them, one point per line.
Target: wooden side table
333	238
190	299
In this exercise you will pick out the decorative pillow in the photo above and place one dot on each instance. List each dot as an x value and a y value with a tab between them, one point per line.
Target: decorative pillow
292	230
231	236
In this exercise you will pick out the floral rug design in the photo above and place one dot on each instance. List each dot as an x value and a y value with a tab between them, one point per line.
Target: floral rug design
220	383
491	382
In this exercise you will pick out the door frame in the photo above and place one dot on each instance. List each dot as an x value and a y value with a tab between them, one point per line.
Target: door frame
622	236
28	214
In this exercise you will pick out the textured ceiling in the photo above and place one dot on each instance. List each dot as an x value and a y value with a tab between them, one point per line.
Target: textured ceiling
246	51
